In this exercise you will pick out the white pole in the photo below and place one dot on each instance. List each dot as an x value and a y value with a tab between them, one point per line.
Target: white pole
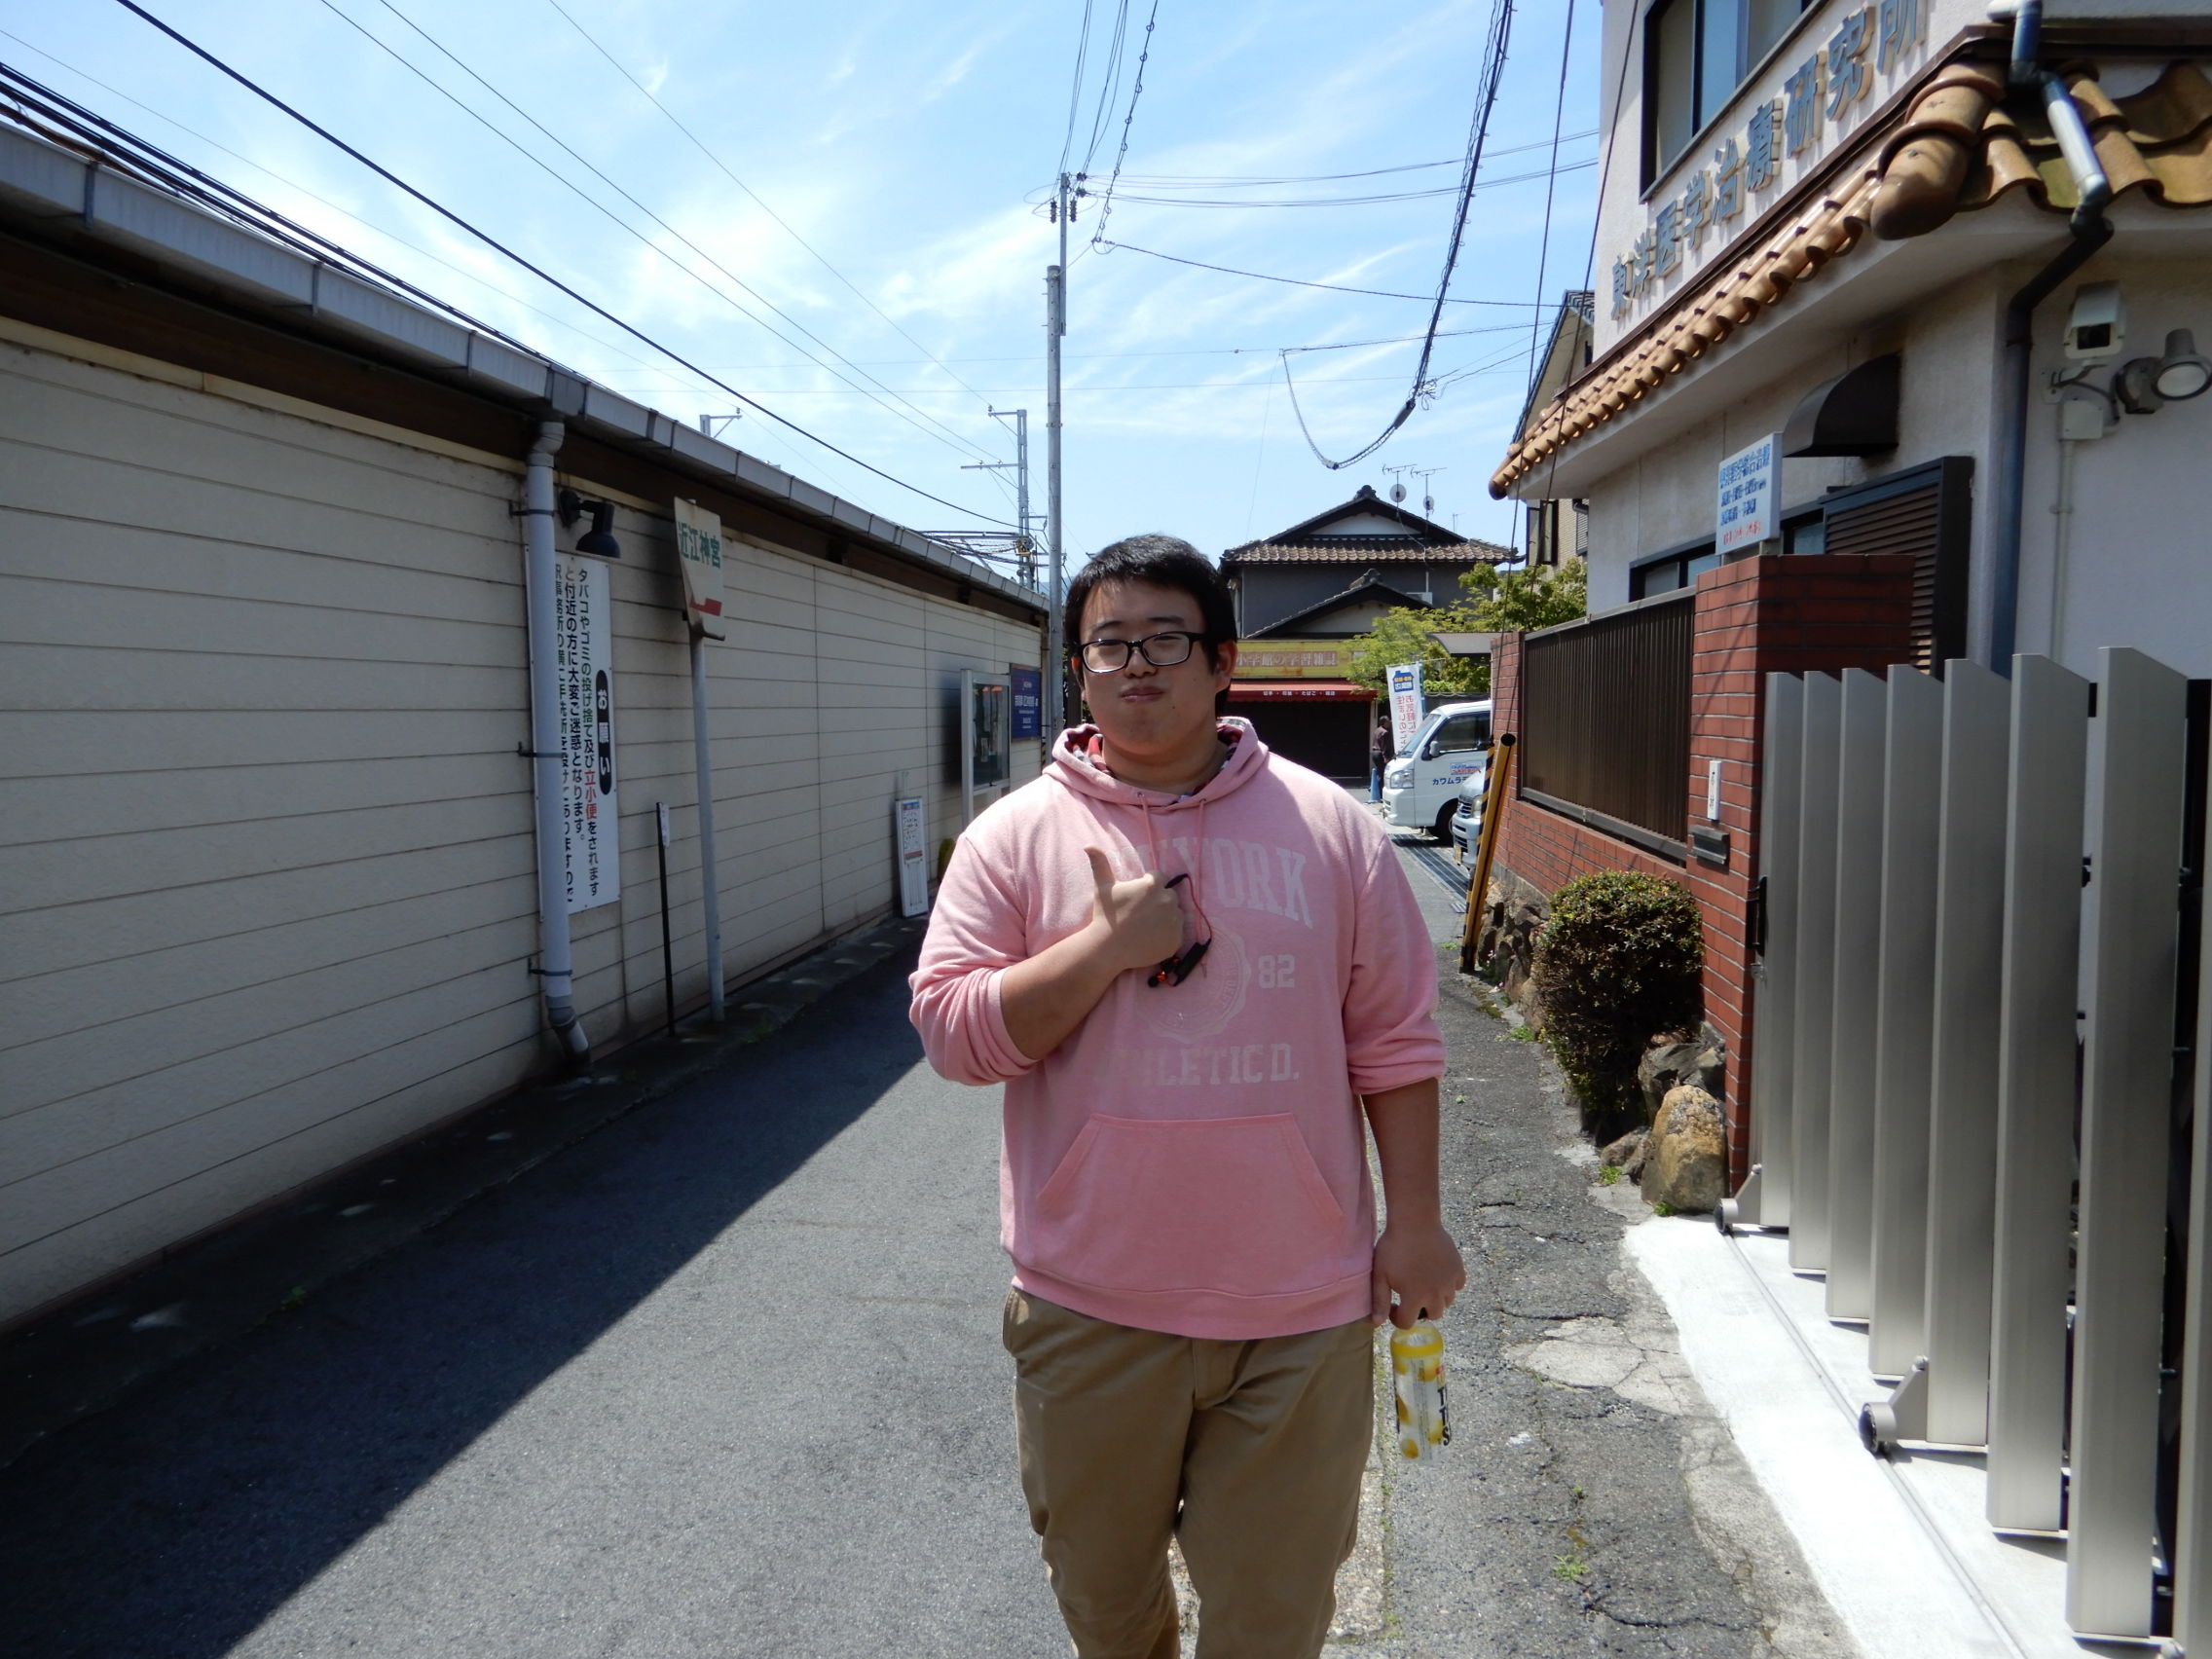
1055	325
710	900
547	776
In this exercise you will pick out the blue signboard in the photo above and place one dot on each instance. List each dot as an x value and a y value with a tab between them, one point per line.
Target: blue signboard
1029	701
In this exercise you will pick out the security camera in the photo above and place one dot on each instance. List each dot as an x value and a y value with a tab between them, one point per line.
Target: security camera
2098	326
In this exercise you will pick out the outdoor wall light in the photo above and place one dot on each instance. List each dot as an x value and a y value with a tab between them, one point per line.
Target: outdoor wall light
2144	385
600	538
2182	373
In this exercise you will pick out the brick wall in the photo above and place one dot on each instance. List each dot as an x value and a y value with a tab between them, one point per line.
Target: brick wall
1754	617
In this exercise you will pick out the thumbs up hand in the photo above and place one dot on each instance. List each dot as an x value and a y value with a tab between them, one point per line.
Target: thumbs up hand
1135	924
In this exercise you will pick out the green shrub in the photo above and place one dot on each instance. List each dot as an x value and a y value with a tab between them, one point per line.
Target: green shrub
1616	964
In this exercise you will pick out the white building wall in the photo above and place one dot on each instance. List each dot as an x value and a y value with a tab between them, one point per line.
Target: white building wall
266	879
2131	562
1948	344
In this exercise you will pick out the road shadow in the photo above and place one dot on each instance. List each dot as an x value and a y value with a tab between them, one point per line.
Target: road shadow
176	1524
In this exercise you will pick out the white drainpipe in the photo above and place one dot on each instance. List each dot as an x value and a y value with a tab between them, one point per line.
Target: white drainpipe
554	966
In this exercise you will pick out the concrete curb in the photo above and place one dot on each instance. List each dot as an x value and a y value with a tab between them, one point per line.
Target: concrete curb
89	1353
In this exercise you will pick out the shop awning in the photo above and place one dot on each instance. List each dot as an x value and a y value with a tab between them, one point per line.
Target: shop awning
1298	690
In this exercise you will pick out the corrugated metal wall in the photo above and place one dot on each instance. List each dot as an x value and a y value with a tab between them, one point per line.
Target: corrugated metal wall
265	839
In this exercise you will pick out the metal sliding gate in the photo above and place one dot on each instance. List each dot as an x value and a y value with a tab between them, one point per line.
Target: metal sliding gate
1984	1050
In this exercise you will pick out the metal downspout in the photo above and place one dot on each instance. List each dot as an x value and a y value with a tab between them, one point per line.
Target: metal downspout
2090	232
555	966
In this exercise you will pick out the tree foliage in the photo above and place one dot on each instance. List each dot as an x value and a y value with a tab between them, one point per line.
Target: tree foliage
1497	602
1403	636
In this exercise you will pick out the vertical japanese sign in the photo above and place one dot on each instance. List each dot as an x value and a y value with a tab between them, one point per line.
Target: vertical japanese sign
699	551
1029	701
1745	509
1405	704
913	857
584	660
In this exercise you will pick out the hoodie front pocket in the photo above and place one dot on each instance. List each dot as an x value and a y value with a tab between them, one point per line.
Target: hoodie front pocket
1232	1204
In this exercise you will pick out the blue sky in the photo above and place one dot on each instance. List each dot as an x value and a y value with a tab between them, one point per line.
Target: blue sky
908	146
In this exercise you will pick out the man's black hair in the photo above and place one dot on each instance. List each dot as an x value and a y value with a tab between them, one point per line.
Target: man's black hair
1161	560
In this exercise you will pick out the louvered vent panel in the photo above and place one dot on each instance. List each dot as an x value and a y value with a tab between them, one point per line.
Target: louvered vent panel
1910	522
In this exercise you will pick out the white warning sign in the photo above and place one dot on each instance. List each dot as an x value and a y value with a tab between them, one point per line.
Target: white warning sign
583	628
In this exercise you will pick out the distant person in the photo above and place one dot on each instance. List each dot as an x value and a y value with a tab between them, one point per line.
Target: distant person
1192	963
1382	748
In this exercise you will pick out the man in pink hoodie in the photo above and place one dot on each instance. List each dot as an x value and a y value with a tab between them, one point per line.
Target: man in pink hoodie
1193	964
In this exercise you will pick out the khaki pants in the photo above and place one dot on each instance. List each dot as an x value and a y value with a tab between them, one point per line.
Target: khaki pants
1251	1452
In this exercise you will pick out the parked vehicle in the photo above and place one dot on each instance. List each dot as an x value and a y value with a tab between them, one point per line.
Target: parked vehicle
1468	820
1421	789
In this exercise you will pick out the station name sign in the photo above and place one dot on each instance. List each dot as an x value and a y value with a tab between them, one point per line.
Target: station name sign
1794	125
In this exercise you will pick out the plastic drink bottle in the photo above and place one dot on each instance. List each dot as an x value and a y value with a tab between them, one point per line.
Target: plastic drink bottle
1416	1365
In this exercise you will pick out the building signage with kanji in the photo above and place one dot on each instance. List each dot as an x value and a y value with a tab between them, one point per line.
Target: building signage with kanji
1294	659
1818	96
585	675
1744	514
1028	685
699	553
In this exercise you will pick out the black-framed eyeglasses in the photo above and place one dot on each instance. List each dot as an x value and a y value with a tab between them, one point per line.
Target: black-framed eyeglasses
1162	651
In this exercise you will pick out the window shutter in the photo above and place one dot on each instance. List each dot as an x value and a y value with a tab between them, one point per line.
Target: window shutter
1927	512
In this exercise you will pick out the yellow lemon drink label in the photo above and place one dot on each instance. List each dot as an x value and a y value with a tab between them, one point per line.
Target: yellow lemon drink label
1417	1367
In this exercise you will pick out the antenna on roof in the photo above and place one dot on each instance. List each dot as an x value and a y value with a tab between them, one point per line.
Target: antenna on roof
1429	498
1398	485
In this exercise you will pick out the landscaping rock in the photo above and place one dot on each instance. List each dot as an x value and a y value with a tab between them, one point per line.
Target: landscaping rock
1513	913
1686	1169
1626	1154
1712	1060
1666	1064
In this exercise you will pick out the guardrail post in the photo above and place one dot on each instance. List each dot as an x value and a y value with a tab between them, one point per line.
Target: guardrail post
2045	769
1815	1024
1903	1050
2128	1068
1970	936
1859	816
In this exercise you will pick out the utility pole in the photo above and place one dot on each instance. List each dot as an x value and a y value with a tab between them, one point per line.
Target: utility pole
1022	514
1055	525
1024	548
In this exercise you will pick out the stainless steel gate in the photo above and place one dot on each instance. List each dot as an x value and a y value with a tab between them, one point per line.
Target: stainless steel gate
1967	1094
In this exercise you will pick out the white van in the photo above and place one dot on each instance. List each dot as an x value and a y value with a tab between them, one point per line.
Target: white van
1421	789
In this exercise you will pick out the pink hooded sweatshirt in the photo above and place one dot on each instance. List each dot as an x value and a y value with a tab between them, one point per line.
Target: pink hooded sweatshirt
1191	1159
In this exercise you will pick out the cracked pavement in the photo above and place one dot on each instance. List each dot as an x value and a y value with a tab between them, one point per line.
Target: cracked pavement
1591	1502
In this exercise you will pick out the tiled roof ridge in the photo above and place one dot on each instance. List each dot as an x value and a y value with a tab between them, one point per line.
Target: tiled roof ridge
1352	548
1953	150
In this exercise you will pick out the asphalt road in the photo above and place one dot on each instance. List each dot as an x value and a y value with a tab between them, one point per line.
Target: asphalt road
724	1378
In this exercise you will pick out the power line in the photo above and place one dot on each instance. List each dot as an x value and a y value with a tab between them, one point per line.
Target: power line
1110	85
1074	88
1544	244
1492	71
1302	282
1551	173
757	199
209	181
1240	181
1106	209
50	114
543	275
941	432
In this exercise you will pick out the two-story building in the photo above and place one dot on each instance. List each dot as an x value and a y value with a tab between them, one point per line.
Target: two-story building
1304	592
1896	366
